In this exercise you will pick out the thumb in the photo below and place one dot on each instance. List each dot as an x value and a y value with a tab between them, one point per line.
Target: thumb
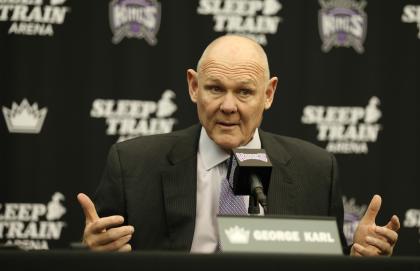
372	210
88	208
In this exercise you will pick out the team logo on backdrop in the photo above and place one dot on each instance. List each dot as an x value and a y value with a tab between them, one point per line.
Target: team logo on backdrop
134	19
411	14
353	213
32	225
345	129
254	19
24	118
412	219
131	118
342	23
33	17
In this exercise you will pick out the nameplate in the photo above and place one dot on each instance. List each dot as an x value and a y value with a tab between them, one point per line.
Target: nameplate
270	234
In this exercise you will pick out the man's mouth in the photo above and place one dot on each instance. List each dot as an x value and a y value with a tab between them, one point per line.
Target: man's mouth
227	123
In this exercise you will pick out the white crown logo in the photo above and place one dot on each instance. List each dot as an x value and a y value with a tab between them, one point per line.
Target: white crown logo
24	118
237	235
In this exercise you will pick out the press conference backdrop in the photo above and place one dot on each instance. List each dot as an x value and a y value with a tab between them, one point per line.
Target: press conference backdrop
78	76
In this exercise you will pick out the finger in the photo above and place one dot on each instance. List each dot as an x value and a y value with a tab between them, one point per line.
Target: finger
88	208
391	236
363	251
353	251
372	210
394	223
111	235
116	245
105	223
383	247
125	248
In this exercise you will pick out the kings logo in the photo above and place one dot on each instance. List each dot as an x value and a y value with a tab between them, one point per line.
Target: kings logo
135	19
24	118
342	23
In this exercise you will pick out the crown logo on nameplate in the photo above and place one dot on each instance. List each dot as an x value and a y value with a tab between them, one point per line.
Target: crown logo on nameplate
237	235
24	118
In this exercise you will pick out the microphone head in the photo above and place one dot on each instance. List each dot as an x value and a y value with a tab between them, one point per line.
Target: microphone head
243	163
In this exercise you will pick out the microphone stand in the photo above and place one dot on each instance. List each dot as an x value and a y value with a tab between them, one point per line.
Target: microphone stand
256	196
254	207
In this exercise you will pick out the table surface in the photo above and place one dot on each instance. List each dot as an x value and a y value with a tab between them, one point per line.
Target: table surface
85	260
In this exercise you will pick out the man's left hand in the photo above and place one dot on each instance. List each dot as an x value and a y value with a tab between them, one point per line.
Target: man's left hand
372	240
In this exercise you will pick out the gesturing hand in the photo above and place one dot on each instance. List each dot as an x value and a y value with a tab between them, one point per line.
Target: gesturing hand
105	233
370	239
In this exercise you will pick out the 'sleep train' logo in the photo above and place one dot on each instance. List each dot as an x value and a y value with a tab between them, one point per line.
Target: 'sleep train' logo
254	19
346	129
33	17
30	226
131	118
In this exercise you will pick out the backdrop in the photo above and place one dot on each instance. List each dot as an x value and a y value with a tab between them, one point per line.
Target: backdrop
78	76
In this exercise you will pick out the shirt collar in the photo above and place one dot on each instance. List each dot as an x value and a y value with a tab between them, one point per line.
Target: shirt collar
214	155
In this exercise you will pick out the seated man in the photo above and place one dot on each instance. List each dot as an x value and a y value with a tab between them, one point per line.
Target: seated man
167	187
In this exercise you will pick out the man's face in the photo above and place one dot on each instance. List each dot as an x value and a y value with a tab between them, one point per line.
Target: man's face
231	98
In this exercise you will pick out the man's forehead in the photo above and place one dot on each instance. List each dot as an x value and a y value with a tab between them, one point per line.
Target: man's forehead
245	70
234	55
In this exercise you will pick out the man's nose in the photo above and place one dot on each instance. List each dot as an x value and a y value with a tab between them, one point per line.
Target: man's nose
229	105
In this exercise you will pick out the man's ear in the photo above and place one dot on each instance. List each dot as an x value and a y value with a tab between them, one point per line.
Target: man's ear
192	79
270	91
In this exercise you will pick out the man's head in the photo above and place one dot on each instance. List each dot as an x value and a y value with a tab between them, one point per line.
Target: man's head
231	88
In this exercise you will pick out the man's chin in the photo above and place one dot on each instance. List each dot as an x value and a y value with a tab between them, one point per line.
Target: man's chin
227	144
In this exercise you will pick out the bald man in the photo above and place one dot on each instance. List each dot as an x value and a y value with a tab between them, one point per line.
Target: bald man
162	192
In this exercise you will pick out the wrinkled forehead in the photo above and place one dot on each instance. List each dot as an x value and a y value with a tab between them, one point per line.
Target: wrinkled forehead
231	54
243	71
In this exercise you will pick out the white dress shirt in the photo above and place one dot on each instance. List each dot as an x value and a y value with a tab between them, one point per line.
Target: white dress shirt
210	172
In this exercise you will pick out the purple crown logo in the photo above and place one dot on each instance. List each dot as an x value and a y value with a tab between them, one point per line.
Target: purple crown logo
342	23
135	19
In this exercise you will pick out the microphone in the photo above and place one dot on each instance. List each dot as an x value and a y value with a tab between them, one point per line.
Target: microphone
249	171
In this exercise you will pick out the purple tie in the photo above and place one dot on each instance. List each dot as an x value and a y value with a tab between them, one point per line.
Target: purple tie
229	204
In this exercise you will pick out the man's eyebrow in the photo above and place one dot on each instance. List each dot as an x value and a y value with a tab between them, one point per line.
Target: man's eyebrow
247	82
242	81
212	79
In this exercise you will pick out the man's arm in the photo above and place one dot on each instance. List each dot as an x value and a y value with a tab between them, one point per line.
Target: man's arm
107	233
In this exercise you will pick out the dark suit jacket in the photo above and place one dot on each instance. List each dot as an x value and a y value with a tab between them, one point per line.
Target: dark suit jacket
152	182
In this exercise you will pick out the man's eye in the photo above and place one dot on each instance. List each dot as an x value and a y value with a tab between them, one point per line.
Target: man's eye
245	92
214	88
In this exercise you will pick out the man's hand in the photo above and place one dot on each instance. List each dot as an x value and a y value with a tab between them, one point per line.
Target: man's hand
105	233
372	240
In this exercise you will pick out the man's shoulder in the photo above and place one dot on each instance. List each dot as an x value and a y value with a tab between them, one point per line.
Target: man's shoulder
301	155
295	147
157	143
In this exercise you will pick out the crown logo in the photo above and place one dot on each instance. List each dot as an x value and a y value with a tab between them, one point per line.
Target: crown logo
24	118
237	235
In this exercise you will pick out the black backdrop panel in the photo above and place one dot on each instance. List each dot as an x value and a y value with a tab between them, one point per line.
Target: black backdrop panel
77	76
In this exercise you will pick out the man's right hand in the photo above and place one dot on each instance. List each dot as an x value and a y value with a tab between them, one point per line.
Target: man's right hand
105	233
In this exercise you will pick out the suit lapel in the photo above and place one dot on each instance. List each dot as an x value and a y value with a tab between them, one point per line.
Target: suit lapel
282	190
179	185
